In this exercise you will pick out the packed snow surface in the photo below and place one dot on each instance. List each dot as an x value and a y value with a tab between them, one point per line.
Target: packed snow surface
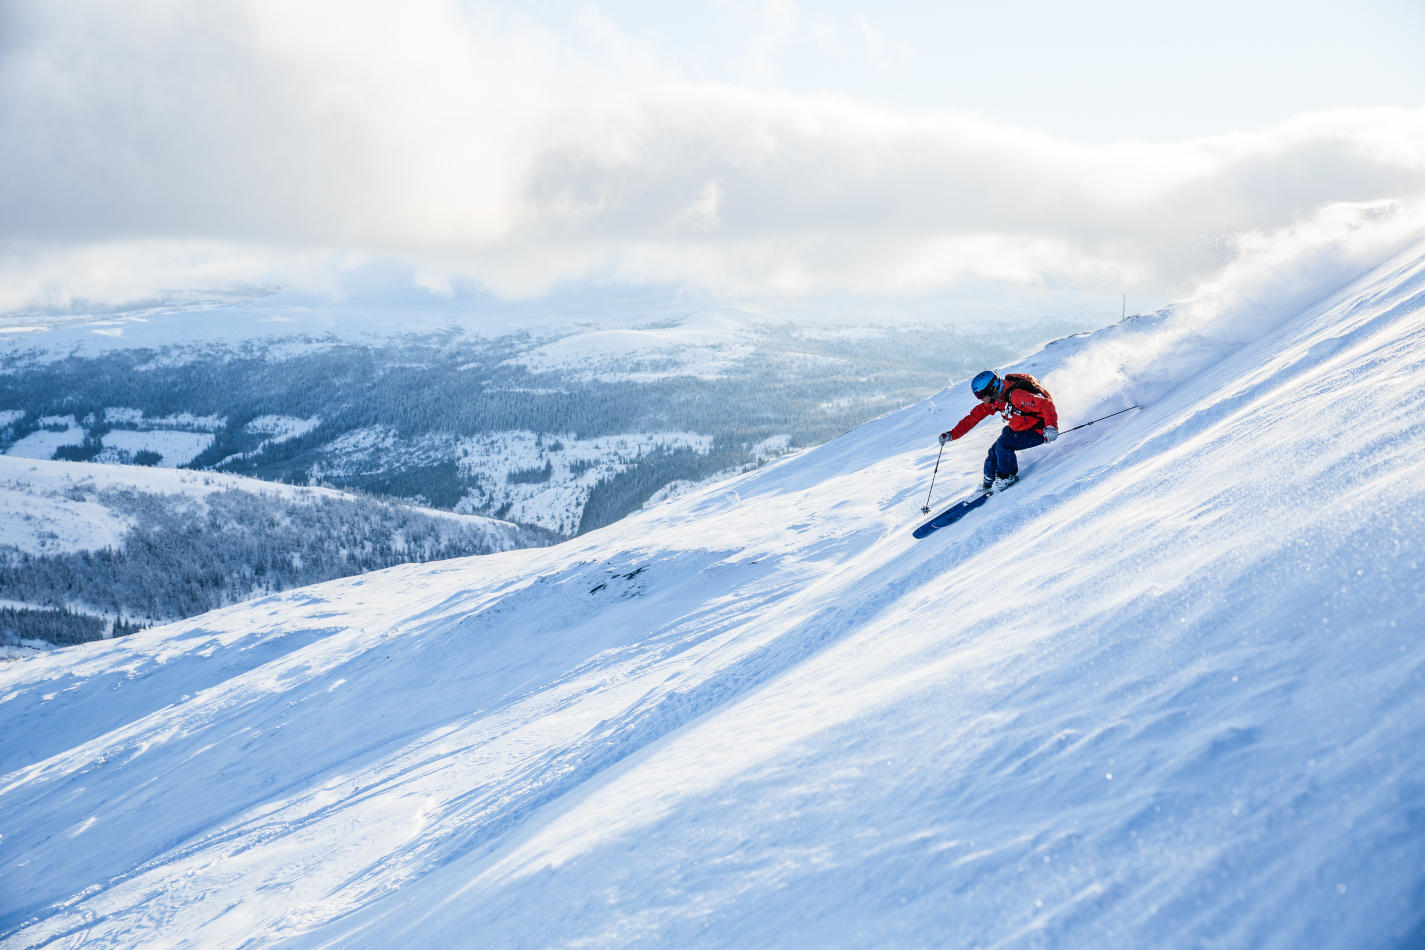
1165	692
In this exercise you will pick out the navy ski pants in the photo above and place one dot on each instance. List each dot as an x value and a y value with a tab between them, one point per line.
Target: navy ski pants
1001	460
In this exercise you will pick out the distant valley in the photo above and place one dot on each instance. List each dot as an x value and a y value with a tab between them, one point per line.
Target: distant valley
566	431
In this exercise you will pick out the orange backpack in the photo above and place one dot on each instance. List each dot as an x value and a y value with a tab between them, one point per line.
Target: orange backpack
1026	382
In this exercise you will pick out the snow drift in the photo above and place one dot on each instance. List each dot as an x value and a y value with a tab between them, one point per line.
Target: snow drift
1166	692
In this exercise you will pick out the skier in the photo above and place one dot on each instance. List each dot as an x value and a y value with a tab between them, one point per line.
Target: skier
1027	408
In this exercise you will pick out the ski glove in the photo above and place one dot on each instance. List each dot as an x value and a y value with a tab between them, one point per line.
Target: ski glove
1050	433
944	437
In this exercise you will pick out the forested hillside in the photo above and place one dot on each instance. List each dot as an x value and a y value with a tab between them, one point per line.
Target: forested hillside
567	430
92	551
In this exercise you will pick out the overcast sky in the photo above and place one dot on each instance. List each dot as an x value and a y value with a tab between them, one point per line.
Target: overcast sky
741	147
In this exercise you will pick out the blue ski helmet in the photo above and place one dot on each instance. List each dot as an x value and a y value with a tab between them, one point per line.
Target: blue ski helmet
984	384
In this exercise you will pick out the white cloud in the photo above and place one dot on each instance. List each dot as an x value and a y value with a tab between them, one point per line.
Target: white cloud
164	146
701	214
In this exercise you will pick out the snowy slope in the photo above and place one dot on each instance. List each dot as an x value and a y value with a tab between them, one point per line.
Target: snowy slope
1167	692
90	550
49	507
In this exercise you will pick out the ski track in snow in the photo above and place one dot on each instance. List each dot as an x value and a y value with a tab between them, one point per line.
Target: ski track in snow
1165	692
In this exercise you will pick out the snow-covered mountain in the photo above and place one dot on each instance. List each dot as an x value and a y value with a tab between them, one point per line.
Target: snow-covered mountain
89	551
1165	692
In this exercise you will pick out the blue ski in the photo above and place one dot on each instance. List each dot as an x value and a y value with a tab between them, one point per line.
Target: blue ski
952	514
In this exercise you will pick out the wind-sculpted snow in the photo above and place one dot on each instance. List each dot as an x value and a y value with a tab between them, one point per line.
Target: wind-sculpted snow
1165	692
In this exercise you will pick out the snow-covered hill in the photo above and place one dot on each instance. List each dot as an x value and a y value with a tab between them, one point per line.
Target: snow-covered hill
88	549
1166	692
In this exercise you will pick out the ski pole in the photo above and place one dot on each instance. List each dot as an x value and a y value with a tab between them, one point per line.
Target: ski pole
926	507
1100	419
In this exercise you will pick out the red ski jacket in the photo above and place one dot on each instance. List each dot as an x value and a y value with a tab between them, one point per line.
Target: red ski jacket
1022	410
